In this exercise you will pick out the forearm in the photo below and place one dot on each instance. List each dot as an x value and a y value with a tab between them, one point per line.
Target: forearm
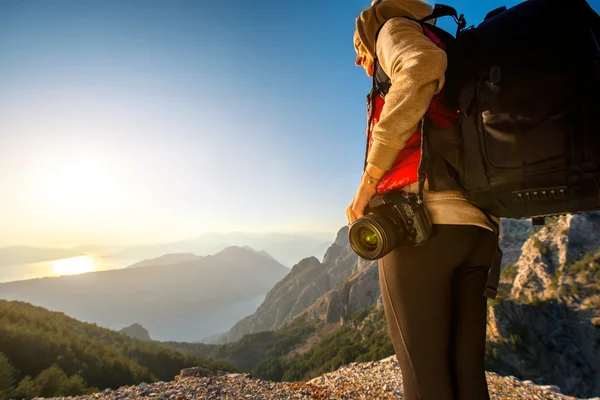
372	175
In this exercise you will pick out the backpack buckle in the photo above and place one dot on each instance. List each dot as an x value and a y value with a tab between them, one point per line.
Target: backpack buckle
495	75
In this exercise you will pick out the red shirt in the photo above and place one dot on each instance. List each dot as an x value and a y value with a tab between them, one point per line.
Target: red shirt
404	171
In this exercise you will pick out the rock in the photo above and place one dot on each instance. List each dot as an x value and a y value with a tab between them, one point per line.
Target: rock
551	388
143	386
196	372
359	290
550	249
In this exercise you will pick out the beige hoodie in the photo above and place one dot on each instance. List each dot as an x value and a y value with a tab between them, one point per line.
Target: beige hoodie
416	67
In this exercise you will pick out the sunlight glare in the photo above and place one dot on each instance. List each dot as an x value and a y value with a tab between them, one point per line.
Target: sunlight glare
74	266
80	185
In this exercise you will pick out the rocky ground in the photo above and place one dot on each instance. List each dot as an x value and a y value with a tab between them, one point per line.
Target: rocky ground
370	380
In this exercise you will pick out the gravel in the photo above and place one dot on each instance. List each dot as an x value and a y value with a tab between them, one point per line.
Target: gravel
369	380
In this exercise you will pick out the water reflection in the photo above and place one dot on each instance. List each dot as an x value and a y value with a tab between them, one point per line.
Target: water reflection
74	265
67	266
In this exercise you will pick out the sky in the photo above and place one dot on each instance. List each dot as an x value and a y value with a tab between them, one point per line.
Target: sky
144	121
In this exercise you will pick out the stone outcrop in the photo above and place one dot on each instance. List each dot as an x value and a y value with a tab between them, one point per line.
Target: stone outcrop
547	251
544	329
360	290
197	372
547	343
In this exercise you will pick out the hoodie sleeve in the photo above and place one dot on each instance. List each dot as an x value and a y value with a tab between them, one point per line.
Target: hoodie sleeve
416	67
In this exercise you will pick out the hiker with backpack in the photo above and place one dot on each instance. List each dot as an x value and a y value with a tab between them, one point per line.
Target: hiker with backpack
432	293
461	132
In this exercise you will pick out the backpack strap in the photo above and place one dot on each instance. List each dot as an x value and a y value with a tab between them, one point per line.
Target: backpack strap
424	162
440	11
493	280
381	82
381	86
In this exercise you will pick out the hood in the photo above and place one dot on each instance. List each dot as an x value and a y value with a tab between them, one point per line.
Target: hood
372	19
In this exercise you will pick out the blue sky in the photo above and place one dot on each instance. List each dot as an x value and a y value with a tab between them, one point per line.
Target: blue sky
136	121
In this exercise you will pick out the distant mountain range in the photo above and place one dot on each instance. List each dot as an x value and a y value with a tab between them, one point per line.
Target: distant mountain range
288	249
167	259
176	301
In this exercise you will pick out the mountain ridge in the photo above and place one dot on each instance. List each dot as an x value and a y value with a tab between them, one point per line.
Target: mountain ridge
177	299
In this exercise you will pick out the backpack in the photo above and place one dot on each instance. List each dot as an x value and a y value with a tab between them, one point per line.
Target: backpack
526	86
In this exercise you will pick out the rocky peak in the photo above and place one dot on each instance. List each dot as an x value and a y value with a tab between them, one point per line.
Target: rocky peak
338	248
306	264
549	249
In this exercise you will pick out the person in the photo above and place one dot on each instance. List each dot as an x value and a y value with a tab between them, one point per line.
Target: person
432	293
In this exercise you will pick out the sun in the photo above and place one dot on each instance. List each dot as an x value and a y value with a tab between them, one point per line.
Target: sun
74	266
80	184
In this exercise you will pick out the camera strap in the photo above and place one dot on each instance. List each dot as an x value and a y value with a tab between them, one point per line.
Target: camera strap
493	280
422	171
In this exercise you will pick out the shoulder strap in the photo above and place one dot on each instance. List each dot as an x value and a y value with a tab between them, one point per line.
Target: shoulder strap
381	82
493	279
440	11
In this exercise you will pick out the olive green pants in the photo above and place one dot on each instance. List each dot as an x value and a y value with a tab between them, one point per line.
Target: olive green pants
436	312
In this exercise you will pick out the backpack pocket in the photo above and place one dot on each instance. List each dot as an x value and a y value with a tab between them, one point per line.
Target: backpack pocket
528	119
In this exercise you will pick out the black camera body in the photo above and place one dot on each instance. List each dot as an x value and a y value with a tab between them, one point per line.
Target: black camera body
406	212
392	219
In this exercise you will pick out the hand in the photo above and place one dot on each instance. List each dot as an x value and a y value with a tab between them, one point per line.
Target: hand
366	190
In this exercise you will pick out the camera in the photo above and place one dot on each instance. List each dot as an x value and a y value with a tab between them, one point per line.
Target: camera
391	219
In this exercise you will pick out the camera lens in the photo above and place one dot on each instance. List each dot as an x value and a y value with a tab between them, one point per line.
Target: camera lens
368	237
373	236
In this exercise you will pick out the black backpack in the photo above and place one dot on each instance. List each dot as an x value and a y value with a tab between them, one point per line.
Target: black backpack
526	83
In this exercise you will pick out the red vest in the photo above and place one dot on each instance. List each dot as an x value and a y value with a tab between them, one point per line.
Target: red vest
405	168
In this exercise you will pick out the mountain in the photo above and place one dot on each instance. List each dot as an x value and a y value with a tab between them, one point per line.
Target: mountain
183	301
23	254
136	331
307	281
167	259
285	248
44	353
22	262
261	252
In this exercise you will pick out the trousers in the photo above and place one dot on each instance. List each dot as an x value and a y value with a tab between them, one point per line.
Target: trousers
436	312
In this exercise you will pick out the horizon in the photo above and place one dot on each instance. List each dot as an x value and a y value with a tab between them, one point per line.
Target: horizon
316	235
129	122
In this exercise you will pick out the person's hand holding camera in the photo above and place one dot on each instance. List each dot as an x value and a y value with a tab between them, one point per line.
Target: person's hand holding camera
366	190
